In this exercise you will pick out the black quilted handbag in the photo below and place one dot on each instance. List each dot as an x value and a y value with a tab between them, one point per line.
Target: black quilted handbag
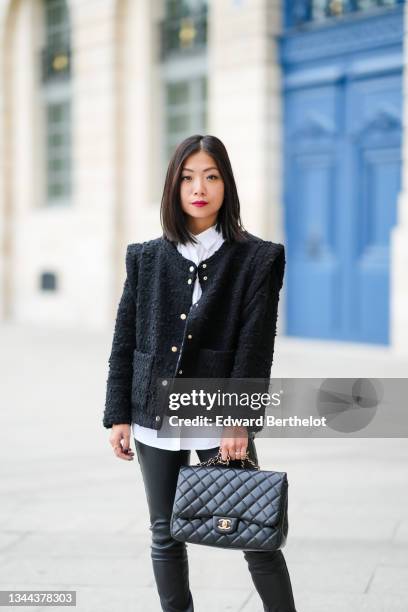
231	507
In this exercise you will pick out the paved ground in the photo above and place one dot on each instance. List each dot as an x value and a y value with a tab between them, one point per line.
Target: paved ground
73	516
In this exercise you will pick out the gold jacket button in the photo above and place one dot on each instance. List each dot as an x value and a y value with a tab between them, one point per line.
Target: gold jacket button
174	349
183	316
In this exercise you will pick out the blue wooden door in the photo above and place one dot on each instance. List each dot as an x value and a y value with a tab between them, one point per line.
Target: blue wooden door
342	158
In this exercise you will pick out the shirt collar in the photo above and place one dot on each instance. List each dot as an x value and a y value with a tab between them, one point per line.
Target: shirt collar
208	237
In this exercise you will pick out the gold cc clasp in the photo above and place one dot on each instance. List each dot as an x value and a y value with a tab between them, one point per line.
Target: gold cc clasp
224	523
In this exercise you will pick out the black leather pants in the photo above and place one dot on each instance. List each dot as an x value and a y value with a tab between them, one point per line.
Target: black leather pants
160	469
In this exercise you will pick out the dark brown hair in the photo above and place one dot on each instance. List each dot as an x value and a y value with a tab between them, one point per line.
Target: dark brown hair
172	216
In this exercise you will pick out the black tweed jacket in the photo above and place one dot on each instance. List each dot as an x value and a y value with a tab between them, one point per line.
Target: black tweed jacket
229	333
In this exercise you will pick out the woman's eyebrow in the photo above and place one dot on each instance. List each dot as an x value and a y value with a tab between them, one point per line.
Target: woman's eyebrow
206	170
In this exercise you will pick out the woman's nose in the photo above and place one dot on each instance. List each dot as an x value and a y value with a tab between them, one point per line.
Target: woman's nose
199	187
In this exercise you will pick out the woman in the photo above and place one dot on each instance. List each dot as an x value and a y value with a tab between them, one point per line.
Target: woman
200	301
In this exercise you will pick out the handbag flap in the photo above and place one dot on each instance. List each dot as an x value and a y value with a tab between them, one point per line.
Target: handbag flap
251	495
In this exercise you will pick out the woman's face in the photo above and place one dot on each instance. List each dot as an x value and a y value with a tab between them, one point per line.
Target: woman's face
201	182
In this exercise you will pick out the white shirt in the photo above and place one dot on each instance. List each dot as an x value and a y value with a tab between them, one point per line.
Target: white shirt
180	438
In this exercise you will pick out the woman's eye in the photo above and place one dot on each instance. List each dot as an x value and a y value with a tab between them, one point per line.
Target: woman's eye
209	176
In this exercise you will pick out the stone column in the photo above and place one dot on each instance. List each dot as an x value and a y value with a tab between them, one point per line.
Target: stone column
245	109
95	216
245	106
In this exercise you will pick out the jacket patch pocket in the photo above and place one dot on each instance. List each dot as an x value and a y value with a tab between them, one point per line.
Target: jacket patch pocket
214	364
142	372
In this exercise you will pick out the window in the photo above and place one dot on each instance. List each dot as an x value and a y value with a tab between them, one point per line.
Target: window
184	73
57	101
186	110
301	11
48	281
58	150
321	9
184	28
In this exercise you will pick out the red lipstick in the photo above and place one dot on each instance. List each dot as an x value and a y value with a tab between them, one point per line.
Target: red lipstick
199	203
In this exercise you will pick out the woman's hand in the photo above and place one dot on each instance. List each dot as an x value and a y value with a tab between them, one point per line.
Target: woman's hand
119	433
234	443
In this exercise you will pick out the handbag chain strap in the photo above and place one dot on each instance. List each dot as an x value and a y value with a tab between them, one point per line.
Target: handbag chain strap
218	459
